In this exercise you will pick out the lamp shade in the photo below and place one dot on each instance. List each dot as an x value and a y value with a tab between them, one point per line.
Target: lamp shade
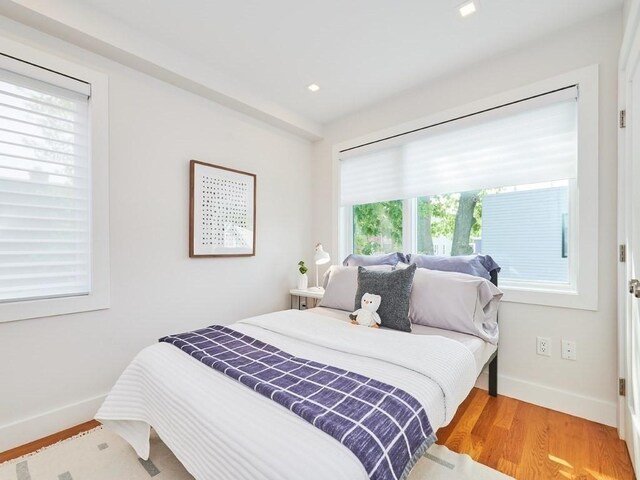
321	257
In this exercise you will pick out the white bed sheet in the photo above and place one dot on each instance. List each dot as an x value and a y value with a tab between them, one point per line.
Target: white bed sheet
480	349
221	430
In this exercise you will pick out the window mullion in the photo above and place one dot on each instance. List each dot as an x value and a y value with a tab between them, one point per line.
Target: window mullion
409	225
346	240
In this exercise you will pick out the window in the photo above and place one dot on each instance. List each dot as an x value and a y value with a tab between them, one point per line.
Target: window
44	190
523	227
53	189
501	181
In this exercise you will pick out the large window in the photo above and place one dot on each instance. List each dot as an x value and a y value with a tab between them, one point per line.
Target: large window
53	187
517	181
524	228
44	190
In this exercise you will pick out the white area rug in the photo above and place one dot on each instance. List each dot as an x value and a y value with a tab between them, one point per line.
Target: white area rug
102	455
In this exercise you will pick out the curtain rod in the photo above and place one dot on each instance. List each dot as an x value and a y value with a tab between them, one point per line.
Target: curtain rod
455	119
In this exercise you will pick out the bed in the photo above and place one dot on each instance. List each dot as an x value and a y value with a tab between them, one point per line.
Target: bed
218	428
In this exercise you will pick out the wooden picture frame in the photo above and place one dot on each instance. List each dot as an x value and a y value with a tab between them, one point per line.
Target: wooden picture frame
222	211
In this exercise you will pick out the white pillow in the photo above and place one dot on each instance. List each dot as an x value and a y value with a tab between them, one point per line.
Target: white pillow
455	301
341	284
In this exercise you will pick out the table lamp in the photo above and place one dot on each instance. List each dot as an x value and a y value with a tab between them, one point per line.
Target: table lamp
320	258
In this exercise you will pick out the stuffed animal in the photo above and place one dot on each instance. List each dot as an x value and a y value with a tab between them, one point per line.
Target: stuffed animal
367	315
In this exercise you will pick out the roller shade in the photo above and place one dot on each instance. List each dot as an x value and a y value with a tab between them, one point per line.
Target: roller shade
526	142
45	229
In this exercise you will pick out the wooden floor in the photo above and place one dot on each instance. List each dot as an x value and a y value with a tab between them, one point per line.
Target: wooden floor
47	441
531	442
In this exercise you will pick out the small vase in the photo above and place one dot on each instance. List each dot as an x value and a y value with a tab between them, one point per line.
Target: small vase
303	281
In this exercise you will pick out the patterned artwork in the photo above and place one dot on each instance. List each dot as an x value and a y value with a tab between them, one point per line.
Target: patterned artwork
225	211
222	213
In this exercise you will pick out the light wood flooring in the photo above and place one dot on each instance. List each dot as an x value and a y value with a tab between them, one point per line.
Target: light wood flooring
534	443
47	441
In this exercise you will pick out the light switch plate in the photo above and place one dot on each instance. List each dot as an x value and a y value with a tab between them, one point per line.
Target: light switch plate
569	350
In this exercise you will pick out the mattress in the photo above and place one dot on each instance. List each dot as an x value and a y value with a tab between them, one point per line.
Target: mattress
480	349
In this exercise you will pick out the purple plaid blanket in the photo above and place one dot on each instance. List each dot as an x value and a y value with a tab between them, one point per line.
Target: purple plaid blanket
385	427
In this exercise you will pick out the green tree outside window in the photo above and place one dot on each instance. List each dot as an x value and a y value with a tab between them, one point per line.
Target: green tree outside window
377	227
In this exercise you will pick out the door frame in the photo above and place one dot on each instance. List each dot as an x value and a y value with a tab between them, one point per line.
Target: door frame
629	62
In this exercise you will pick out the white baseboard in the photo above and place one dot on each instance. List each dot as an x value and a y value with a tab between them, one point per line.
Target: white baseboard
33	428
555	399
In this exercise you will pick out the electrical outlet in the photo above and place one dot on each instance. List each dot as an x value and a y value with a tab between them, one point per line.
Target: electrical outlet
569	349
544	346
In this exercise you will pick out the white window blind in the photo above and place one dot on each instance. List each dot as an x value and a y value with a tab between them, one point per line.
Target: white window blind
530	141
45	233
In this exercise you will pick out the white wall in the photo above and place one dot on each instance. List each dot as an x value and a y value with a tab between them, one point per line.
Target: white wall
588	386
54	371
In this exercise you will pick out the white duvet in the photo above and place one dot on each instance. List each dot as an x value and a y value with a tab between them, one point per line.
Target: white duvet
220	429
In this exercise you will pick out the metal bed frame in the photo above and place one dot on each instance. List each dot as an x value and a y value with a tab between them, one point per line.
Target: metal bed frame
493	360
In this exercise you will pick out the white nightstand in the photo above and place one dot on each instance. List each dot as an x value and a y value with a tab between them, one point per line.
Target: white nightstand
305	298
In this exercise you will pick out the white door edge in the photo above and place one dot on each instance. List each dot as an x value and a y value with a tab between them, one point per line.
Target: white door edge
629	63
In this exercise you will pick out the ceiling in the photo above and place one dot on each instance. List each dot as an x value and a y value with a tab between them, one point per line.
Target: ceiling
358	51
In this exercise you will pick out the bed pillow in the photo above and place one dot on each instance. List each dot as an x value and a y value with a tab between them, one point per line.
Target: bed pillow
368	260
395	289
478	265
455	301
341	283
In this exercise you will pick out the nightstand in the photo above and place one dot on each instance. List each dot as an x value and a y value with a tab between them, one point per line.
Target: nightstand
305	298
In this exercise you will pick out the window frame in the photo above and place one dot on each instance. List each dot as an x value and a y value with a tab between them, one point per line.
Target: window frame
583	209
99	297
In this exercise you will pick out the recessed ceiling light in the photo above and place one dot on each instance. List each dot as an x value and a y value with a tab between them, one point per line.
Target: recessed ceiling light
467	8
313	87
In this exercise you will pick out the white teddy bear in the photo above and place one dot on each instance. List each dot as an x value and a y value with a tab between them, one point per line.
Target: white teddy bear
367	315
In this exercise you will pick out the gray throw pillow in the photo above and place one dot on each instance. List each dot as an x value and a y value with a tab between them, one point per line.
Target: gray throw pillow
395	289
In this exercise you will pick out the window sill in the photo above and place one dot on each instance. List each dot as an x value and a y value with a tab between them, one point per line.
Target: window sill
550	296
49	307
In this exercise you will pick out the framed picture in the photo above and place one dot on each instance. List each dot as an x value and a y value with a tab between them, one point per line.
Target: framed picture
222	211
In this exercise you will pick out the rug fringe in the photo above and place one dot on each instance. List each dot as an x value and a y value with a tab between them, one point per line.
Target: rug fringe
422	449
